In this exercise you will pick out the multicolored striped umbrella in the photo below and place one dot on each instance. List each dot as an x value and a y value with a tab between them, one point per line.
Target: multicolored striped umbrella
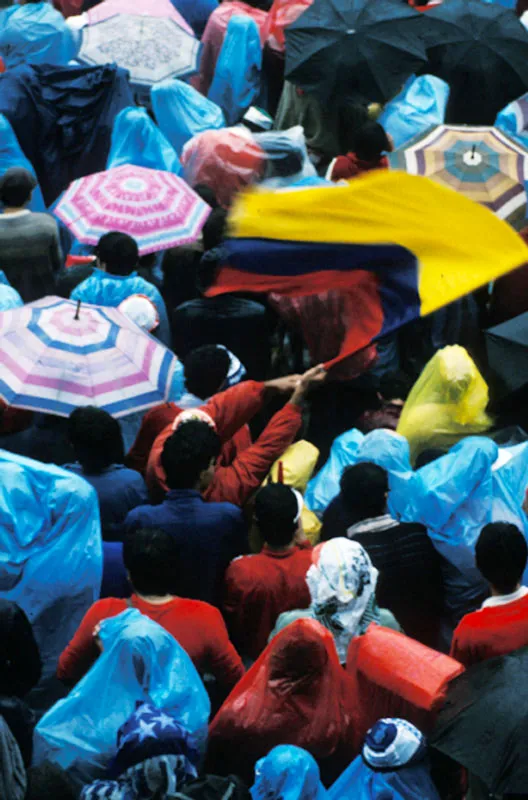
56	355
157	208
484	164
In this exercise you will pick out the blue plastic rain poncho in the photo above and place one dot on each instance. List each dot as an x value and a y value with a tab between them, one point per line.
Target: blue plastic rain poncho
137	140
196	12
393	766
11	155
9	297
140	662
287	773
36	33
181	112
454	497
50	550
104	289
236	80
513	119
420	104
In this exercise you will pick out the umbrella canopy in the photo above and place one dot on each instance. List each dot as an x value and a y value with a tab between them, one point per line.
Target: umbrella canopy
483	724
157	208
354	48
507	347
56	356
150	8
481	50
483	163
150	48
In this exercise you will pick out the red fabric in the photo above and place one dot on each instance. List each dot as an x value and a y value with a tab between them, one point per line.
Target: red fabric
225	408
323	320
397	676
236	482
14	420
346	167
197	626
69	8
296	693
491	632
2	65
281	14
258	588
74	261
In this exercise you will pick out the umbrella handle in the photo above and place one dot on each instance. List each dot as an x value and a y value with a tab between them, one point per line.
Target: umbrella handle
77	309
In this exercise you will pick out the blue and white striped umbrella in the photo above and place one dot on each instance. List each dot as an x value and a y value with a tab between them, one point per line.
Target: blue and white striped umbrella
57	355
158	209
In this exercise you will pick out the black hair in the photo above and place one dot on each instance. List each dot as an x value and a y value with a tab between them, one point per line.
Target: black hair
501	554
395	386
364	488
188	452
205	369
207	268
275	511
213	231
428	455
96	439
207	194
16	186
118	252
370	141
150	556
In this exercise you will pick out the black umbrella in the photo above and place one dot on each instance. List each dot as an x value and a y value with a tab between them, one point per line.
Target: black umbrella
507	346
354	48
483	724
481	50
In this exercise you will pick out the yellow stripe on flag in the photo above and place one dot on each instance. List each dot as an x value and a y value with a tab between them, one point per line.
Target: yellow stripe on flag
459	244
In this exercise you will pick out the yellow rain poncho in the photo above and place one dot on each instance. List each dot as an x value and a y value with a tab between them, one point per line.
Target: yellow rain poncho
447	402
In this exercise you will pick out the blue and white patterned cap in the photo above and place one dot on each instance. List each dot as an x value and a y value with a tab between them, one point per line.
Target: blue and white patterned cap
393	743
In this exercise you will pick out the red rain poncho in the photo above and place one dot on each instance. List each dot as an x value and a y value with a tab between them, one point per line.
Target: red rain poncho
397	676
295	693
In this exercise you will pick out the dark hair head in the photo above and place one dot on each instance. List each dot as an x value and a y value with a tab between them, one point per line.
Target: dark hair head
213	232
395	386
188	453
150	556
205	370
275	511
501	554
207	194
96	439
364	489
49	780
371	141
16	186
207	268
118	252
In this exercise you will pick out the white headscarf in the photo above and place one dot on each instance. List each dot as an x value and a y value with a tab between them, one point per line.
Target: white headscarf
342	582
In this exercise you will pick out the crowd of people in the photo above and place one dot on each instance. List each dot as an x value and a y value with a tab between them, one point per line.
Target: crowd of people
267	585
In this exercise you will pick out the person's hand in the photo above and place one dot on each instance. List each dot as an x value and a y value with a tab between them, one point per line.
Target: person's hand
312	377
96	638
283	385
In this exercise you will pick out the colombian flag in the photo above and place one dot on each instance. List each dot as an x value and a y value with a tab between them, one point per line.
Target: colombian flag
399	245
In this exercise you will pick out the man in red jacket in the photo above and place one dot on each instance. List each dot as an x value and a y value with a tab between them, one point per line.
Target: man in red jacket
227	412
501	625
258	588
151	560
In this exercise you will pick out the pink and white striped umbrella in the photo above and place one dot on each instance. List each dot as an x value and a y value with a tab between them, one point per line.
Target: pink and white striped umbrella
158	209
57	355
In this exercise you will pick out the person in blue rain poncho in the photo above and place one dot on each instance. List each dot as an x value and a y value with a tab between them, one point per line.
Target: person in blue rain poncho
182	112
115	279
137	140
11	155
287	773
50	553
140	662
236	80
9	297
35	33
393	765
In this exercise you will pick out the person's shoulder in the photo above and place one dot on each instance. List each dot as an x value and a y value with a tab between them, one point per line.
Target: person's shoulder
141	513
246	567
44	220
227	510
